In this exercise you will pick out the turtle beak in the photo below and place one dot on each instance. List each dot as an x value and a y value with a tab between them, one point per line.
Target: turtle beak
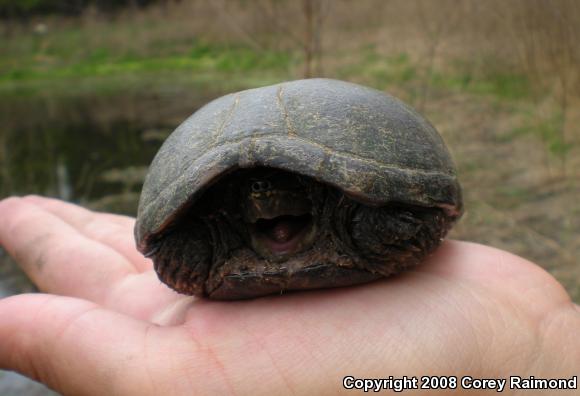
280	222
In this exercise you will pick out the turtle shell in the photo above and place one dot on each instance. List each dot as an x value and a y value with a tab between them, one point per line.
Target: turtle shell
360	140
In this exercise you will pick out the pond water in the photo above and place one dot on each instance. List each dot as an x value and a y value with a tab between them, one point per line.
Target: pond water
92	154
80	162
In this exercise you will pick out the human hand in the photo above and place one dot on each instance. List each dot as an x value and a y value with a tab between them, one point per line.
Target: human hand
108	326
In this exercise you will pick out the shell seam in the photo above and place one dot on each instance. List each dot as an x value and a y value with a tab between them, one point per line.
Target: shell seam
325	149
284	111
227	118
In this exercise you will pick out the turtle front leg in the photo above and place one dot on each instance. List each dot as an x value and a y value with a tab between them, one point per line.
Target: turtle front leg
183	258
393	238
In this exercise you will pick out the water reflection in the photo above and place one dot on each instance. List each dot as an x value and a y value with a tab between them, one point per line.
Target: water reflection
71	161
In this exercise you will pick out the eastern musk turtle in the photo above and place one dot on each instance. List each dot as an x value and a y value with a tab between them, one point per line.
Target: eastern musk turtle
306	184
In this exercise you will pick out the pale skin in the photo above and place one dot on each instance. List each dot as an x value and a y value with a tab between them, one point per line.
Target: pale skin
107	326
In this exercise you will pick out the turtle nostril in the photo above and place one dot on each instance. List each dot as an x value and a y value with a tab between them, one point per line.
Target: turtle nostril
261	185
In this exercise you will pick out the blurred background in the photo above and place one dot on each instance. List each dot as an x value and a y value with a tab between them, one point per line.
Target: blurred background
89	89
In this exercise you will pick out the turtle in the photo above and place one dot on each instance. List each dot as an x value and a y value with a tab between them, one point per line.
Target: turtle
306	184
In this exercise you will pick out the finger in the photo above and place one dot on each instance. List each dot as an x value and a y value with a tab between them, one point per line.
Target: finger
79	348
112	230
57	257
71	345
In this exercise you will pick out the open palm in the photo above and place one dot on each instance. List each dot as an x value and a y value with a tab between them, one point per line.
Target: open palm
108	326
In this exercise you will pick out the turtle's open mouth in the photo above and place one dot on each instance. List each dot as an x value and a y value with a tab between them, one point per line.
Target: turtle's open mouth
283	235
277	210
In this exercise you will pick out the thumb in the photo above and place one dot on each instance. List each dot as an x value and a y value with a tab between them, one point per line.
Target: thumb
71	345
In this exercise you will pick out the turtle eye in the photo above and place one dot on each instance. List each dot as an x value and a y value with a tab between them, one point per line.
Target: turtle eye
261	186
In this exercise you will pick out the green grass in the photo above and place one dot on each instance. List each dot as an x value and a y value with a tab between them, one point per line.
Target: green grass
549	130
385	71
501	85
102	58
104	61
60	67
381	71
99	65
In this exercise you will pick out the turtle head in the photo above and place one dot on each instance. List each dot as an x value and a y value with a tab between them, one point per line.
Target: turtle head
278	211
